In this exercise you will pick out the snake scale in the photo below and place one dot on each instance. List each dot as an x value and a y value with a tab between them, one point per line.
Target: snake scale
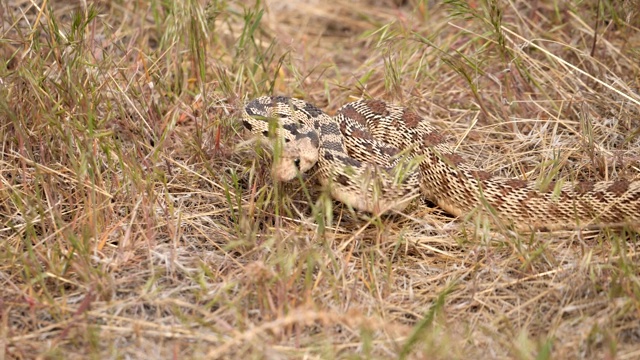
376	156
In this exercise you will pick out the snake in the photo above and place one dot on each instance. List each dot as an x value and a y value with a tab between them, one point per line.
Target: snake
375	157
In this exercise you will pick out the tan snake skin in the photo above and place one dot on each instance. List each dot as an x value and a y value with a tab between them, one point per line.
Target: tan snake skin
357	156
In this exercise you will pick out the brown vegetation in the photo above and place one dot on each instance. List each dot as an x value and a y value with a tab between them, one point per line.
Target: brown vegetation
136	222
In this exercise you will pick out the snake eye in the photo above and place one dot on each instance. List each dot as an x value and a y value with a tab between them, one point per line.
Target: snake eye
296	162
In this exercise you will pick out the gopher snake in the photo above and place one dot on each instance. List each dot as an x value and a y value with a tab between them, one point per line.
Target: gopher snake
357	152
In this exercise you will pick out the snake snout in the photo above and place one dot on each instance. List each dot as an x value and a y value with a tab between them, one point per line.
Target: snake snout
297	157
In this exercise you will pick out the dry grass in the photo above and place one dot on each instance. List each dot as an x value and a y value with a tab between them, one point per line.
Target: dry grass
134	225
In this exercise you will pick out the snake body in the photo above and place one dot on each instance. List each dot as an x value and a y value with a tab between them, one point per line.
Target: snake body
376	156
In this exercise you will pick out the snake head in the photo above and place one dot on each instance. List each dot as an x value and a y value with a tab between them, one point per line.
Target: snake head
297	157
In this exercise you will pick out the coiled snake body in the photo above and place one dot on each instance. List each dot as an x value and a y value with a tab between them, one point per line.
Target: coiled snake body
359	157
